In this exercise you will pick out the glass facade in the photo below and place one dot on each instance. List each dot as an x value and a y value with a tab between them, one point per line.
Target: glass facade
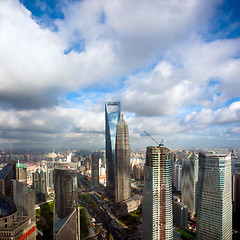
214	199
112	116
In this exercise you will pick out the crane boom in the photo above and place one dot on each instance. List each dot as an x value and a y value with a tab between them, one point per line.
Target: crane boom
159	144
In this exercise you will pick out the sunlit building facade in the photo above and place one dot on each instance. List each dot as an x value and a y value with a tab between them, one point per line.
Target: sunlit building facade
157	216
123	171
112	116
214	199
21	170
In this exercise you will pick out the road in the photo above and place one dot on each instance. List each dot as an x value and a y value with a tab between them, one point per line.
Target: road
103	217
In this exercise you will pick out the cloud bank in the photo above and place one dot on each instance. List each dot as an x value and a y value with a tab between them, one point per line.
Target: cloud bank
175	76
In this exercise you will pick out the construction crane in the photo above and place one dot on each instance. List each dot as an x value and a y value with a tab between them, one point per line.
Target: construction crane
159	144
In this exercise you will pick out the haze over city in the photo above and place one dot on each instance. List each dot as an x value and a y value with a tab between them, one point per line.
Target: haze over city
173	65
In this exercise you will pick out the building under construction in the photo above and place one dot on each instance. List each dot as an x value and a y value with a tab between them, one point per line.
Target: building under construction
157	216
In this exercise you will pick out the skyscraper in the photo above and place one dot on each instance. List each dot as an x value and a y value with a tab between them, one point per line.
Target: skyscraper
66	200
123	172
112	116
95	170
180	215
6	175
214	199
177	177
157	216
23	196
237	201
40	185
189	182
24	199
21	171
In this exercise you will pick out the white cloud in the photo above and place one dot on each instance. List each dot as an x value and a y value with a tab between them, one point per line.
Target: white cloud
220	116
117	38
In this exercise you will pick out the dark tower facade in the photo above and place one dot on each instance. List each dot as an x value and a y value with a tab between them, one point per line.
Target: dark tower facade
66	215
65	185
112	116
7	174
236	218
123	172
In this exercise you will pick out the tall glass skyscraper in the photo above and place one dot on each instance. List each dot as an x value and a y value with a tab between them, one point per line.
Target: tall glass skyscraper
157	216
112	116
214	199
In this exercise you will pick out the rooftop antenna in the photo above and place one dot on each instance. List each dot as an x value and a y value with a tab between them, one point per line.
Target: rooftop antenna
159	144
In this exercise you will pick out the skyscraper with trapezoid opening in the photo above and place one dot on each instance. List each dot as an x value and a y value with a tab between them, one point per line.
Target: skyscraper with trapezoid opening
112	116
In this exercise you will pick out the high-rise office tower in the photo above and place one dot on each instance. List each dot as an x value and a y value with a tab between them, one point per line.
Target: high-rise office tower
66	224
157	216
177	177
24	199
50	171
95	170
6	175
180	215
214	199
112	116
189	182
21	170
123	172
23	196
87	167
237	201
40	185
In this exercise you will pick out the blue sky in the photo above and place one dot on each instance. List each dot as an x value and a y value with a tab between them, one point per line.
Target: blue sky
174	65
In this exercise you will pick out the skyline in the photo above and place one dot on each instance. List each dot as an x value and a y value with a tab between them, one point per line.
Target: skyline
174	66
